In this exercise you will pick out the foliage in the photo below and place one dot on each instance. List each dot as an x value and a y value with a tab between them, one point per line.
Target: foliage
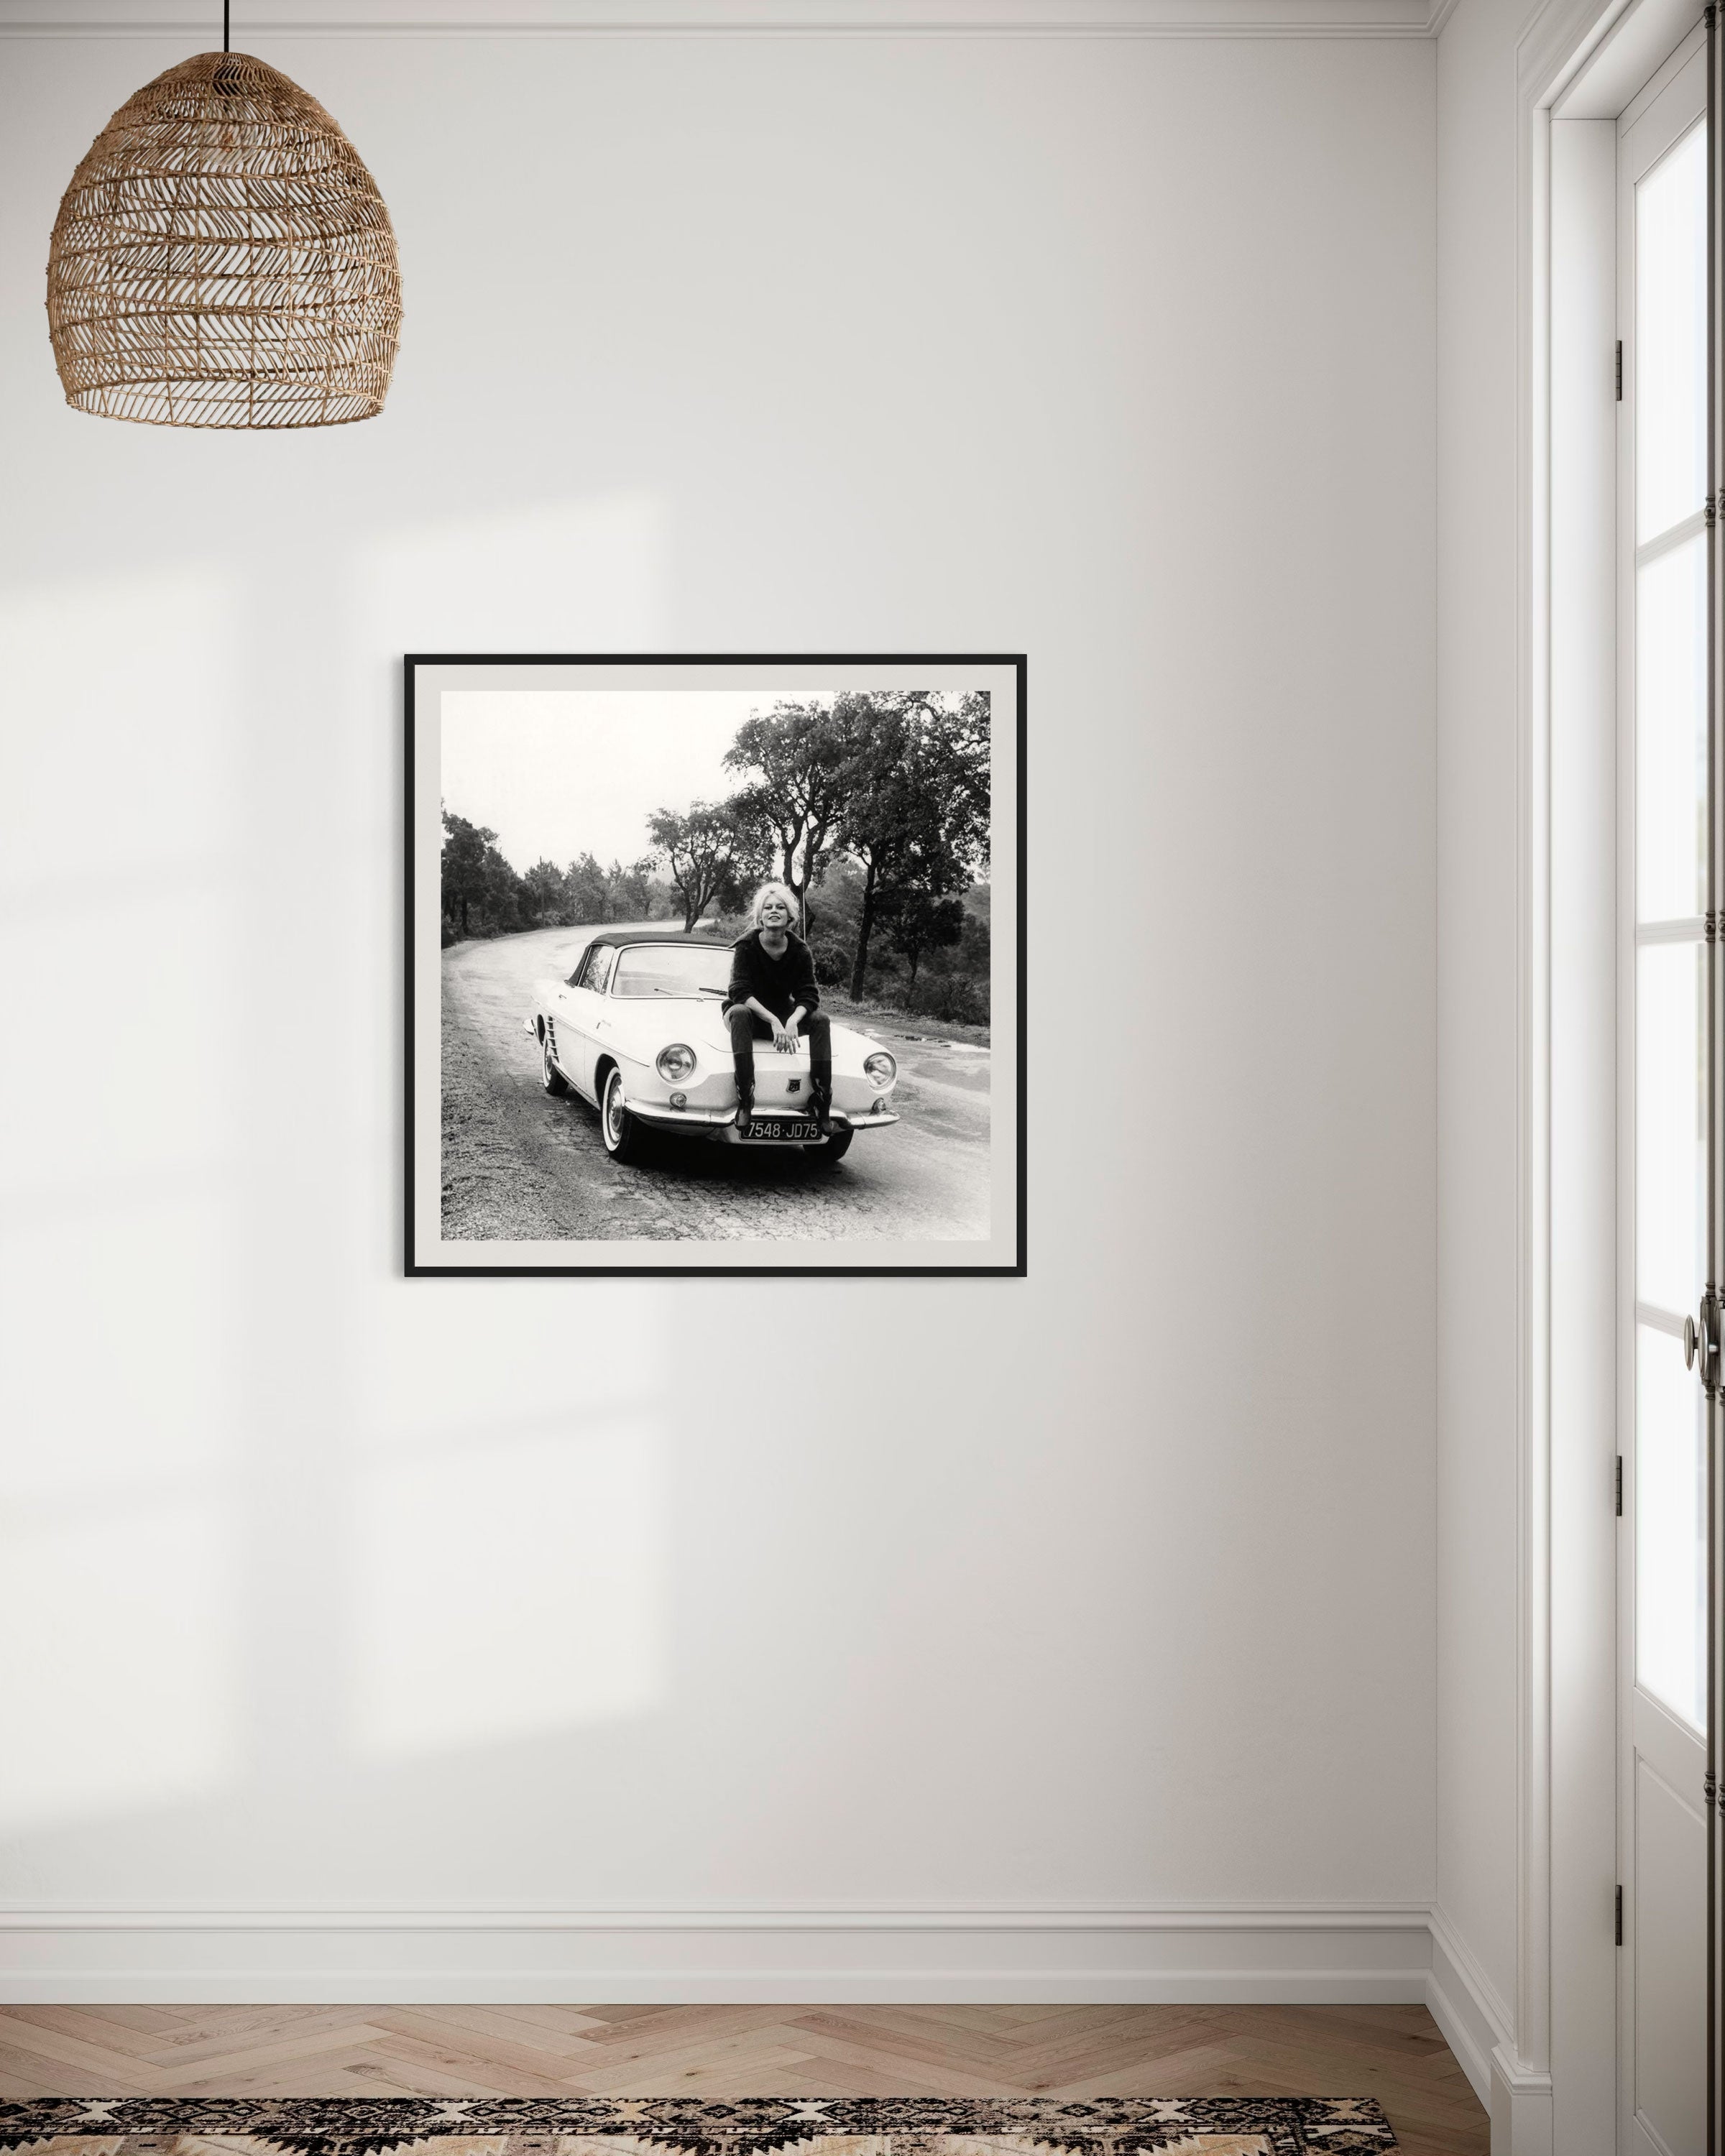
832	961
872	805
953	983
951	996
483	896
632	891
915	922
800	756
479	886
709	853
543	892
589	894
917	816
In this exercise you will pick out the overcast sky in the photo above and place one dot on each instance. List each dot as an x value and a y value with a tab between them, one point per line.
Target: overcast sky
555	772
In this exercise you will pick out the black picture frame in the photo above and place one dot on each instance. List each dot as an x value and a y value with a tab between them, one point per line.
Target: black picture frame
1012	1266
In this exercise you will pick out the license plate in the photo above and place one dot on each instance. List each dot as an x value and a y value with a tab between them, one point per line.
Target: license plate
776	1126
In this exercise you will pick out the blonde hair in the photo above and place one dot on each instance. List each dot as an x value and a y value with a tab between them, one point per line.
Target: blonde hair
767	891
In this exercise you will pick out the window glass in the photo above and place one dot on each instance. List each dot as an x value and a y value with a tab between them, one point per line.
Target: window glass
1671	732
1671	1528
674	969
1671	1102
1672	338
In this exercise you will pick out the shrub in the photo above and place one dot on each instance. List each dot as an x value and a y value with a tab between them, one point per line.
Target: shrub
953	997
832	962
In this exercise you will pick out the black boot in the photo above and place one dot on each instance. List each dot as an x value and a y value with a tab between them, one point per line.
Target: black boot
745	1106
820	1099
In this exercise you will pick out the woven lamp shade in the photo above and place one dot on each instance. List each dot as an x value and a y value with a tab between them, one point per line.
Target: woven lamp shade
223	258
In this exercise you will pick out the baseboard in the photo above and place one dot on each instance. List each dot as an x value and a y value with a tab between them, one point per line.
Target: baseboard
1267	1954
1465	2006
1522	2120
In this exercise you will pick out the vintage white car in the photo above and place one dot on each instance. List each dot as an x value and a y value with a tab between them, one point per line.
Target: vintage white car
638	1030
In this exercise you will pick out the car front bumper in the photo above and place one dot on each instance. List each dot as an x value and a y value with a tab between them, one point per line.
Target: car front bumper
714	1122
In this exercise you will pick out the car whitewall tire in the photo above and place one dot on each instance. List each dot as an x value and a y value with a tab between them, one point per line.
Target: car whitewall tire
619	1130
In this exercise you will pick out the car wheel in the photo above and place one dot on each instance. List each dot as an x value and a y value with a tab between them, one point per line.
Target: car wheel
553	1080
619	1130
834	1150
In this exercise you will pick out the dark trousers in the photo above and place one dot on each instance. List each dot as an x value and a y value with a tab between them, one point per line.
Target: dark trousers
746	1030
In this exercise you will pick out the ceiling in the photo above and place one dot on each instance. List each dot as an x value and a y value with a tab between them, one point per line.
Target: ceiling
1028	18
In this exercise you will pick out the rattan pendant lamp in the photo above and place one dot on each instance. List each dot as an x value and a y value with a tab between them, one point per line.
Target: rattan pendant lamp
223	258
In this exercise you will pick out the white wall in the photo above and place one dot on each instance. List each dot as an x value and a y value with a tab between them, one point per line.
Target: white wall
1476	1181
322	1589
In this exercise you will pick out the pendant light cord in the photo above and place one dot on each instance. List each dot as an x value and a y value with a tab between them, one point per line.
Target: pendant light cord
225	24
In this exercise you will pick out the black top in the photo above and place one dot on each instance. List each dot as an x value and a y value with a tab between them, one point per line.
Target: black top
622	938
777	984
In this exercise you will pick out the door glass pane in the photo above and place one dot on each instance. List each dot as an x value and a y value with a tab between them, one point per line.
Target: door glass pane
1671	1528
1670	1165
1671	338
1671	733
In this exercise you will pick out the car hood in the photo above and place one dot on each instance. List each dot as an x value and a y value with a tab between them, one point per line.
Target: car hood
699	1021
704	1022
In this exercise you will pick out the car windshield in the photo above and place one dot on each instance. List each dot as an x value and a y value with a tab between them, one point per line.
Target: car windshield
672	969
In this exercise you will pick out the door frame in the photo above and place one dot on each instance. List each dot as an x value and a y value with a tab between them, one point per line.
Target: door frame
1578	61
1672	102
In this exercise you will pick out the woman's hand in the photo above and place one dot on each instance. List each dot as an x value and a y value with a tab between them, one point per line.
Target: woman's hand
784	1039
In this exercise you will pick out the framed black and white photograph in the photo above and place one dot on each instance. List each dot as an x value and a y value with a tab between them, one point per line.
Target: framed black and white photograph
714	965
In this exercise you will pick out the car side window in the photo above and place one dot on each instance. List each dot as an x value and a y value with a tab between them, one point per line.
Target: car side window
598	975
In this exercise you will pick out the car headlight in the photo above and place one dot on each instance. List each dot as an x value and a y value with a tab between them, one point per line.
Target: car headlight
675	1063
880	1068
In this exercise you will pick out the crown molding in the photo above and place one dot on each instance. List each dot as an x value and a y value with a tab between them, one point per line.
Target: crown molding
278	20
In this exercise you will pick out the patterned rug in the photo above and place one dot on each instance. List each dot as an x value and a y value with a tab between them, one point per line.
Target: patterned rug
676	2126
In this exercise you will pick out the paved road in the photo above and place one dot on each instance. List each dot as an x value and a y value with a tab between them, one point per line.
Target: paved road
518	1166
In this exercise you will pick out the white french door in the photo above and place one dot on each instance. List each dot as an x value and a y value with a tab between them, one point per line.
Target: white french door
1666	1816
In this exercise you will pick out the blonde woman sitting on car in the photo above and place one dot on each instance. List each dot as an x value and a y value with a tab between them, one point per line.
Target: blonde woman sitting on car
773	997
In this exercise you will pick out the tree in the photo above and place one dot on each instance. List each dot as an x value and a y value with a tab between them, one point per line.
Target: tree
589	892
475	876
916	922
966	752
707	852
800	757
878	816
544	896
916	815
632	890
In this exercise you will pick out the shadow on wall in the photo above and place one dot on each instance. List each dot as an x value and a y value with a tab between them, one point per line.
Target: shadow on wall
506	1588
497	1588
272	1518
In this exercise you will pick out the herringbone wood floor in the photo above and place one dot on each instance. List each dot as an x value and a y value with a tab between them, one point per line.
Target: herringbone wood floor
1394	2053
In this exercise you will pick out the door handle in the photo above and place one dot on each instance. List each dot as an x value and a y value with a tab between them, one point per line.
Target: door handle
1697	1340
